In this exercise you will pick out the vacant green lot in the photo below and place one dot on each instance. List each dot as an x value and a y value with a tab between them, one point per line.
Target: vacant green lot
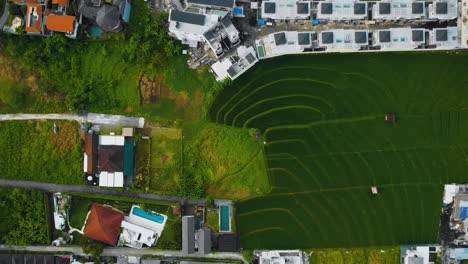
31	151
23	214
327	143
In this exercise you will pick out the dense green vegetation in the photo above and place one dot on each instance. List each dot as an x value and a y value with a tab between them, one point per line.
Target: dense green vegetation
31	151
103	75
170	238
322	118
23	217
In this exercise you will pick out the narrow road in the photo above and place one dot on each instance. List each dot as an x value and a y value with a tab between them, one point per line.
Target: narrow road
52	187
101	119
124	251
4	17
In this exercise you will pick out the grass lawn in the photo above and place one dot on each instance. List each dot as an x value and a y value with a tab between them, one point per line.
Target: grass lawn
31	151
170	238
322	117
212	220
230	160
384	255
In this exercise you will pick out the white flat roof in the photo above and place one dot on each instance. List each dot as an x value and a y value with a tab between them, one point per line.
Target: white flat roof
132	233
111	179
397	39
110	140
281	257
343	39
342	10
192	33
445	37
286	9
443	9
450	190
229	68
400	9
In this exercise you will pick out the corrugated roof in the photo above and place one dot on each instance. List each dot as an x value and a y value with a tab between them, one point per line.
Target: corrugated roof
103	224
60	23
129	156
186	17
218	3
188	234
91	150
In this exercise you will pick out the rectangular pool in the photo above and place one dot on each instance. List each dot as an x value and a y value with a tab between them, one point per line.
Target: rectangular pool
224	219
148	215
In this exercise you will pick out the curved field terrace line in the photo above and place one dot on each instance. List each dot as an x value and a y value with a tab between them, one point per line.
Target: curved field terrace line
327	143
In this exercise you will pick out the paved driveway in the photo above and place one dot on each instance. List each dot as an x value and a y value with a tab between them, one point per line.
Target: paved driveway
100	119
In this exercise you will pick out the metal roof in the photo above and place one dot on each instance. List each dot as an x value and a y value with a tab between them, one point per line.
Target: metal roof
360	9
327	37
269	8
417	8
280	38
441	35
188	234
384	36
204	240
218	3
441	7
303	8
418	35
326	8
303	38
186	17
360	37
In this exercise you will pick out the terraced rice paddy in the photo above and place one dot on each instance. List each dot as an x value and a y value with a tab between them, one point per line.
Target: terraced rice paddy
322	119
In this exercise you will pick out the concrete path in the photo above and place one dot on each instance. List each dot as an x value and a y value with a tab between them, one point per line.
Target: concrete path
4	17
100	119
124	251
51	187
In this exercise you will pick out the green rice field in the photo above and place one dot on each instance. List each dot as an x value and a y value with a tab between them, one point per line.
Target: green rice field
327	143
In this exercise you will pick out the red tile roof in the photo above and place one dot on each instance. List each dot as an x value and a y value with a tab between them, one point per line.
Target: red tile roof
60	23
103	224
60	2
33	18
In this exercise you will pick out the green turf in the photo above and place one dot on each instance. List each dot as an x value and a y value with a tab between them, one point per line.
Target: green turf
322	118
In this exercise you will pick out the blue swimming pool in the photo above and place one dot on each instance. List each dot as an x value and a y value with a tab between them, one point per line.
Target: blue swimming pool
224	218
148	215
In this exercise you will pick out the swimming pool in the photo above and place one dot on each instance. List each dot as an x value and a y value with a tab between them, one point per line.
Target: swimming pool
148	215
224	219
